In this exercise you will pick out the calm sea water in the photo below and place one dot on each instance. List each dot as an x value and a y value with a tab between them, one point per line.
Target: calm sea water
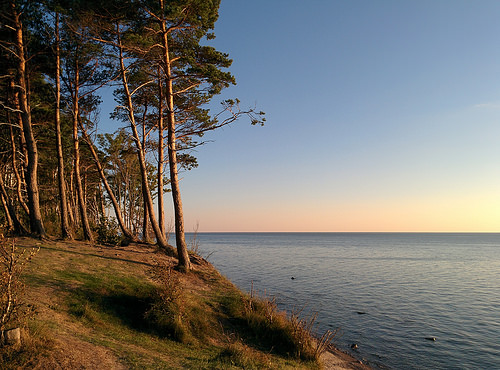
409	286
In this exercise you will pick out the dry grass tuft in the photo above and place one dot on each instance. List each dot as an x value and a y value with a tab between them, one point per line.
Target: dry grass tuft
290	334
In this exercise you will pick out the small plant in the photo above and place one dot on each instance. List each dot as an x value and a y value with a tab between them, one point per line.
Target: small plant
325	341
194	243
13	311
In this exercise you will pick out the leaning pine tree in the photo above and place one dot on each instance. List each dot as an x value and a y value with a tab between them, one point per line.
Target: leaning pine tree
15	15
193	74
160	44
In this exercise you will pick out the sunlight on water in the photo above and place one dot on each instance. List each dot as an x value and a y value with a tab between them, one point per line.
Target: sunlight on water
409	287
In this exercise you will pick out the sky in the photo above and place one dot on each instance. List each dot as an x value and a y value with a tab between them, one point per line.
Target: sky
382	116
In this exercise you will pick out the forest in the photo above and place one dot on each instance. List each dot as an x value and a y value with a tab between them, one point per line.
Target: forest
61	175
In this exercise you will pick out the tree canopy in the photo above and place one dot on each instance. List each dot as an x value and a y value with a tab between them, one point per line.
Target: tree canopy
61	175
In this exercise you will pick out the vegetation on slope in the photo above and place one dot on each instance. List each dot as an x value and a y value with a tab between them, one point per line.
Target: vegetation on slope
126	307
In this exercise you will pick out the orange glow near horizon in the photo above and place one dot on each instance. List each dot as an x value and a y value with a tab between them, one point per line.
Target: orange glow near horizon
477	213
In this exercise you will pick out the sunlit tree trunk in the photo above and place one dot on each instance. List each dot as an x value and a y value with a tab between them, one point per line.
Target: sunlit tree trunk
82	205
161	159
160	238
145	218
73	214
63	203
10	223
116	206
14	102
184	262
101	200
19	182
18	228
35	216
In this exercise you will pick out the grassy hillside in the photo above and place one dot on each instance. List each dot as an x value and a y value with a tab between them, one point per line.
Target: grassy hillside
124	307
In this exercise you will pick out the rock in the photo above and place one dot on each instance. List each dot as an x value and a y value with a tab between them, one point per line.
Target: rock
354	346
292	278
12	336
361	312
431	338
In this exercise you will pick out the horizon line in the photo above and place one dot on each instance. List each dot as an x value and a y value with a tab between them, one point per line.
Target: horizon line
348	232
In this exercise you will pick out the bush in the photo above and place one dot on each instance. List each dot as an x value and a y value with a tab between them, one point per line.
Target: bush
13	311
167	311
107	231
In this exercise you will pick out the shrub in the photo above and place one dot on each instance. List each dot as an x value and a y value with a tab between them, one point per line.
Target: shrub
13	311
167	310
107	231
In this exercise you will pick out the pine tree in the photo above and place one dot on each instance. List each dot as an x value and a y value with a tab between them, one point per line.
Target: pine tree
193	73
15	16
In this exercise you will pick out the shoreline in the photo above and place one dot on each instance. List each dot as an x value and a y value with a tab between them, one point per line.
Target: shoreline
335	359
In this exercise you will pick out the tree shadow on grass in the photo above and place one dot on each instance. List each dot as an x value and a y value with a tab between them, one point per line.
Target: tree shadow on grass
89	254
109	302
115	311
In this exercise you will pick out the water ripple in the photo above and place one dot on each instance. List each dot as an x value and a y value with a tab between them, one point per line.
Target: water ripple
410	287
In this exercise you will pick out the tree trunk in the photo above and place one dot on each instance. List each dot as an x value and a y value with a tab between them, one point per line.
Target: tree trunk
101	201
184	262
71	200
160	238
145	211
161	158
145	220
35	216
63	203
16	172
131	208
18	227
10	222
118	213
14	101
22	140
82	206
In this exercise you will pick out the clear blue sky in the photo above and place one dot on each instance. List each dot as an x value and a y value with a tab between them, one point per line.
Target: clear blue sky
382	116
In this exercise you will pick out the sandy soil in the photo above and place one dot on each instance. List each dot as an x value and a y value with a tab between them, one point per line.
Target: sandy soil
336	359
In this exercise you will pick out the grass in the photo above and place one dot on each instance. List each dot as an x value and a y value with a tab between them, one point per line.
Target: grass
126	307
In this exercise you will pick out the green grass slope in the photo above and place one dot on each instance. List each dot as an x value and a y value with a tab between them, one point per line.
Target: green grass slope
126	308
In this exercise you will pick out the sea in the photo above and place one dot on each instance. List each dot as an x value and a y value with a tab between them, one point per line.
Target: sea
407	300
